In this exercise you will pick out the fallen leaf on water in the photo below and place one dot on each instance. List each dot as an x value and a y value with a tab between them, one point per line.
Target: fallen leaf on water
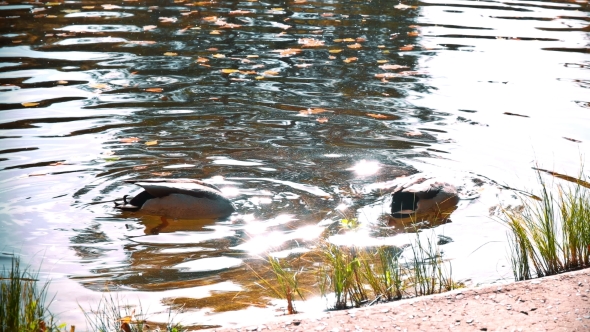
392	67
252	56
514	114
239	11
336	51
151	143
413	133
218	55
107	7
402	6
215	32
137	168
378	116
191	13
322	120
382	61
310	42
129	140
327	14
406	48
572	139
98	86
271	73
161	173
154	89
201	60
141	42
259	77
230	26
380	46
348	40
29	104
331	57
303	65
229	71
351	59
168	19
288	51
386	75
313	111
413	34
355	45
170	54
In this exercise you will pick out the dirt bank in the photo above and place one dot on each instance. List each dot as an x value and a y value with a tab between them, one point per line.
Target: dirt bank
556	303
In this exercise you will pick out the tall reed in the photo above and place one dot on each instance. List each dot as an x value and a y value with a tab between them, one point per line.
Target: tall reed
22	302
552	234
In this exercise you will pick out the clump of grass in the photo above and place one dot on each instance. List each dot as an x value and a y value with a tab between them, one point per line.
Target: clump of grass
288	283
112	315
552	234
428	273
23	305
340	273
384	272
354	274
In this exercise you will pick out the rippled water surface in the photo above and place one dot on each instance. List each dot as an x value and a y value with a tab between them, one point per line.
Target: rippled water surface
295	109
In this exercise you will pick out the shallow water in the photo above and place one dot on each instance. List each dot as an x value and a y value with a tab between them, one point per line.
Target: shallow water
292	108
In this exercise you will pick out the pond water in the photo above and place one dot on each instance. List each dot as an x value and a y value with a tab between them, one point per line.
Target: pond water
294	108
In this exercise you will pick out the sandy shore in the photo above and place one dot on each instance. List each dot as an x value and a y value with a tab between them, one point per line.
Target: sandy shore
556	303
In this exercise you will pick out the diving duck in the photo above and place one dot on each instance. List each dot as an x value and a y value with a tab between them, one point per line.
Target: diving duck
178	199
423	199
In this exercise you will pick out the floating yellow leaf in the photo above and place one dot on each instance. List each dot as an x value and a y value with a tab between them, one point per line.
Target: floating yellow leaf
98	86
259	77
141	42
229	71
392	67
382	61
377	116
29	104
252	56
355	45
239	11
407	47
348	40
215	32
288	51
271	73
170	54
380	46
201	60
337	40
151	143
310	42
154	89
162	173
313	111
351	59
386	75
218	55
129	140
335	51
